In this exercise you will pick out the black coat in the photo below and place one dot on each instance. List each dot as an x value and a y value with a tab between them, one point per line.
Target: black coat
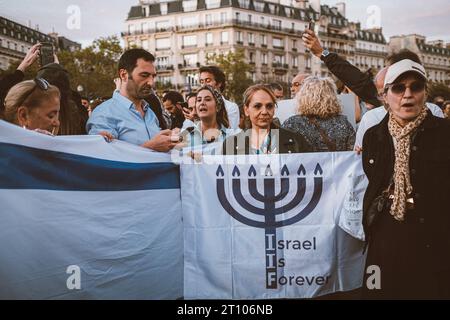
6	83
413	255
288	142
359	82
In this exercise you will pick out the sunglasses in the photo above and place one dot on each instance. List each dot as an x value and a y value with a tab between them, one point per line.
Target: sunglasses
400	88
40	83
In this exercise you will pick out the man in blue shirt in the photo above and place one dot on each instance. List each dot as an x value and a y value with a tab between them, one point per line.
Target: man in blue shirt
127	116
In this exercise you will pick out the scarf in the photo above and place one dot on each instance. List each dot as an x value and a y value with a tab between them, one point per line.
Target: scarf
401	179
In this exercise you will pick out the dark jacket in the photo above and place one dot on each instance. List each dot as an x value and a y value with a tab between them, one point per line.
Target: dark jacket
6	83
359	82
288	142
413	255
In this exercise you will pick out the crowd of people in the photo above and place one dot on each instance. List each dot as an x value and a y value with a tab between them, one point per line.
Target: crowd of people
404	141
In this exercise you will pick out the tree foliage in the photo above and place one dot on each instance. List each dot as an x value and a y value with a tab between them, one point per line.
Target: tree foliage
438	89
236	71
94	67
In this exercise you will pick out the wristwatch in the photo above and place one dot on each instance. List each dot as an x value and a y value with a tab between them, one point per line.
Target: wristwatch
325	53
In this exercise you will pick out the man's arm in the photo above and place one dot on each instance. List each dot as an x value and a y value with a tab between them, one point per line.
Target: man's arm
359	82
162	142
99	124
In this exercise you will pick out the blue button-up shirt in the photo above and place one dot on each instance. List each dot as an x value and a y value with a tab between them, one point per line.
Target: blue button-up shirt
120	117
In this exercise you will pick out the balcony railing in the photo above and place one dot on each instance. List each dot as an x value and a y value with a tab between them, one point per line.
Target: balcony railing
166	67
279	65
199	26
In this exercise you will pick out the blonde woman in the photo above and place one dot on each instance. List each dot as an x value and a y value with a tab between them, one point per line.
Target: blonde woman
319	117
34	105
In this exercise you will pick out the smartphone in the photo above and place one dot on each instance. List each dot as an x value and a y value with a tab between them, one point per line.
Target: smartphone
311	25
46	53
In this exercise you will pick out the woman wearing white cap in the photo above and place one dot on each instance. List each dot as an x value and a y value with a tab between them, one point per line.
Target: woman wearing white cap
407	161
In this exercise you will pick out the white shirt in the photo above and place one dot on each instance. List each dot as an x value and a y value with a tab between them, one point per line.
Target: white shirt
374	117
233	113
286	109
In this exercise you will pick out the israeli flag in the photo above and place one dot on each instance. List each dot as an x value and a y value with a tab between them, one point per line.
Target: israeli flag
272	226
86	219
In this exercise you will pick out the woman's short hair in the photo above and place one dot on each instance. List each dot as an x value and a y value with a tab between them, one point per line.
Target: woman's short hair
318	97
248	94
26	94
221	112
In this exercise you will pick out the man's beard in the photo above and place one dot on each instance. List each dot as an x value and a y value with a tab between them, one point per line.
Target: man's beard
138	92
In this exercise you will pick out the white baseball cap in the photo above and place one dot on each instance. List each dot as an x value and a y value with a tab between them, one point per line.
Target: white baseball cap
401	67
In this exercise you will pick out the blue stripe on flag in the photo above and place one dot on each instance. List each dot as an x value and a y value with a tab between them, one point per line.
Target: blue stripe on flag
24	167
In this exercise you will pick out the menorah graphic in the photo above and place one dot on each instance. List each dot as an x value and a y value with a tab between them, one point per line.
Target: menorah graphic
270	212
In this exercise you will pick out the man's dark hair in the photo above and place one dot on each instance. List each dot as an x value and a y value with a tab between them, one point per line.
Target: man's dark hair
129	58
275	86
402	55
218	74
190	95
173	96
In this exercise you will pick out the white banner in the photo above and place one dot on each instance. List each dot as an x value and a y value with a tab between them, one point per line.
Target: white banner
86	219
260	227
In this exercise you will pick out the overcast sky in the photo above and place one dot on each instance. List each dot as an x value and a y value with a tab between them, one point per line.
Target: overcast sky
106	17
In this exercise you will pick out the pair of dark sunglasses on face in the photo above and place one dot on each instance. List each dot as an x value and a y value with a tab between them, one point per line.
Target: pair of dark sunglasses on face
400	88
40	83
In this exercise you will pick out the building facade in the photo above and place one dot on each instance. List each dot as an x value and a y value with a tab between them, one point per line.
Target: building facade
15	40
183	34
434	55
371	49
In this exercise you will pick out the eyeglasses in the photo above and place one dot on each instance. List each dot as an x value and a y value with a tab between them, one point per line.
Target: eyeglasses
400	88
40	83
296	84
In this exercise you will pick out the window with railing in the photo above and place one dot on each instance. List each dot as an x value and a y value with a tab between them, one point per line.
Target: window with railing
162	25
191	21
212	4
278	59
223	17
239	37
259	6
162	43
162	62
164	8
224	37
276	24
277	43
190	41
264	58
252	57
208	19
190	59
209	38
189	5
244	4
263	40
251	39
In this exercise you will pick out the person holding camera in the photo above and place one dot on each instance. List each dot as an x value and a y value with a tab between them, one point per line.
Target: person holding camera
8	81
